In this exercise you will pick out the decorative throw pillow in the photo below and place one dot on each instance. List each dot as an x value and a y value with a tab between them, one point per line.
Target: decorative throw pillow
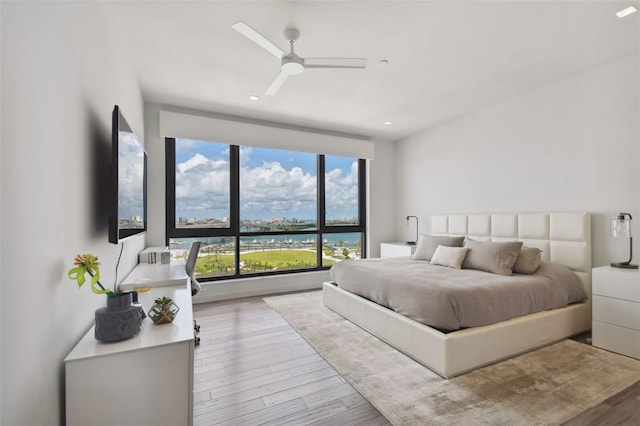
528	261
449	256
429	243
494	257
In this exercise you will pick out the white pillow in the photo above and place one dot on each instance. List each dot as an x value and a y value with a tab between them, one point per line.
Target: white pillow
429	243
449	256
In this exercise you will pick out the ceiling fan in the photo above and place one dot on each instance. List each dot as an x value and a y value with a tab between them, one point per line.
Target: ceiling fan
290	63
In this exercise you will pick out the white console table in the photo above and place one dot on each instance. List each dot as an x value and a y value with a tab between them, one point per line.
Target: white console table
145	380
155	275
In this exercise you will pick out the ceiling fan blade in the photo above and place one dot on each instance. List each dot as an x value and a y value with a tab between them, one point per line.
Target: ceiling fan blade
277	83
258	39
335	62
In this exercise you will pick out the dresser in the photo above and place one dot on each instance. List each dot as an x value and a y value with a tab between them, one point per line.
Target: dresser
397	249
616	310
145	380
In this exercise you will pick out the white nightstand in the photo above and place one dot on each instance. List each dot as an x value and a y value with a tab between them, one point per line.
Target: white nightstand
396	249
616	310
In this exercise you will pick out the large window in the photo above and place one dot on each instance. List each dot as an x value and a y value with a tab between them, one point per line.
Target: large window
262	211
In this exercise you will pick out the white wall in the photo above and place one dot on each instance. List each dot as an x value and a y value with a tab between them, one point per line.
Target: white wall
570	146
380	212
382	197
61	76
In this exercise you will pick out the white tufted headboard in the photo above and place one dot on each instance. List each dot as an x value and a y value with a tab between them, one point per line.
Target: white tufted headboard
564	238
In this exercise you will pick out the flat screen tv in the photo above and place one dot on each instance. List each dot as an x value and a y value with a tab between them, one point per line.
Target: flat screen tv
128	216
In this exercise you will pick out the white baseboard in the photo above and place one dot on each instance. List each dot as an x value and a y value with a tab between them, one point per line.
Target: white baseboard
257	286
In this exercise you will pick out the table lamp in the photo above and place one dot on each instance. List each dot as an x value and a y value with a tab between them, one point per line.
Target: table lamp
621	227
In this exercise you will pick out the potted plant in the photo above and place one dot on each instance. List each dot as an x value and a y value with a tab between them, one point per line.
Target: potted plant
163	311
120	319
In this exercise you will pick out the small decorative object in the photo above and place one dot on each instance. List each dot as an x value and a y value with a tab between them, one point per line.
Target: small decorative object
163	311
621	227
120	319
408	220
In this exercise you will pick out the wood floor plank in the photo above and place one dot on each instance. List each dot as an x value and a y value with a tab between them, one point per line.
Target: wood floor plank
376	421
306	368
310	416
223	376
620	409
213	416
300	391
241	380
250	384
289	381
269	414
297	362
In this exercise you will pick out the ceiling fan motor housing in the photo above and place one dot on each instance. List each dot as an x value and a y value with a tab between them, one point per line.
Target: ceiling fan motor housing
292	65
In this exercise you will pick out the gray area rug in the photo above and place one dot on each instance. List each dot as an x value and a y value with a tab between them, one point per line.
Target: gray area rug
544	387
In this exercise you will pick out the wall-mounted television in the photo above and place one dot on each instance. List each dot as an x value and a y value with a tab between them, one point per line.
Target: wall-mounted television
128	215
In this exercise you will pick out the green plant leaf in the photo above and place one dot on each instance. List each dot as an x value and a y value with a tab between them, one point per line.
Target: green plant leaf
77	274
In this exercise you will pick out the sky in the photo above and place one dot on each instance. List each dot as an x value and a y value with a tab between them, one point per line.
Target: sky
273	183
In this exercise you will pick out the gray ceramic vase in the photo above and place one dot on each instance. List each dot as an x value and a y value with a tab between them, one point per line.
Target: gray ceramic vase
119	320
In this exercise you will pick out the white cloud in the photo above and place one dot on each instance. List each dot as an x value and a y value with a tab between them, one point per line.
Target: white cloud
271	190
267	190
202	187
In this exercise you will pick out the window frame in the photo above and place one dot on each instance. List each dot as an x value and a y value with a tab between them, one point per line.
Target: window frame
171	231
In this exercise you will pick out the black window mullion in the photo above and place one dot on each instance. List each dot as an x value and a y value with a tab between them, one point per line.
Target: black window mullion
234	181
320	201
170	182
362	204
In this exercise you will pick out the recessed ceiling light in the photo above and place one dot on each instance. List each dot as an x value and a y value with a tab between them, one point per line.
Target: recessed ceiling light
626	12
388	123
383	62
254	97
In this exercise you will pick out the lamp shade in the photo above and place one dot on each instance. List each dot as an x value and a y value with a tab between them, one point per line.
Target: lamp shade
621	227
414	241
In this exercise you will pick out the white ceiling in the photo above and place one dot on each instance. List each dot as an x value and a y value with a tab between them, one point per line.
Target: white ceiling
446	58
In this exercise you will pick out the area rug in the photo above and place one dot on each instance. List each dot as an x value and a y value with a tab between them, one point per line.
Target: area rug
544	387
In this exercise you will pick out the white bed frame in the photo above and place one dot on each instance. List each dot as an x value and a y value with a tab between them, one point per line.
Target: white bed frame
563	238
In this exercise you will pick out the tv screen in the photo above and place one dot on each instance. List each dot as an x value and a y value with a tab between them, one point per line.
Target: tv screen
128	181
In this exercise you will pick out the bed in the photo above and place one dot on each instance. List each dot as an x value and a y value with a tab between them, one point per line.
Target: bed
564	238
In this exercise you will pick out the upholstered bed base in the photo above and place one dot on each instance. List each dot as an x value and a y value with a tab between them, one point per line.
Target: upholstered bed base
564	238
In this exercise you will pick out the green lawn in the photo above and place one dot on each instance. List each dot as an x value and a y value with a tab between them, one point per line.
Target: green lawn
259	261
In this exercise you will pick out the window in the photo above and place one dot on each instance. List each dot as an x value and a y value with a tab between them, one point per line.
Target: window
277	189
341	191
202	185
260	211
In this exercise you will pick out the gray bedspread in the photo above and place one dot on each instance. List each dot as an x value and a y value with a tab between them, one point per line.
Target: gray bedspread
450	299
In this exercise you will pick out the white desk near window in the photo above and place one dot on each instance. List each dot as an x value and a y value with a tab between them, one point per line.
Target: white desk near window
145	380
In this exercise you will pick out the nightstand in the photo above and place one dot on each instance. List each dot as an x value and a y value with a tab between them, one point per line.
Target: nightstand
616	310
396	249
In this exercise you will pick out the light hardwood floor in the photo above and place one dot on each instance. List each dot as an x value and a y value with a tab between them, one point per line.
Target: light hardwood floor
252	368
